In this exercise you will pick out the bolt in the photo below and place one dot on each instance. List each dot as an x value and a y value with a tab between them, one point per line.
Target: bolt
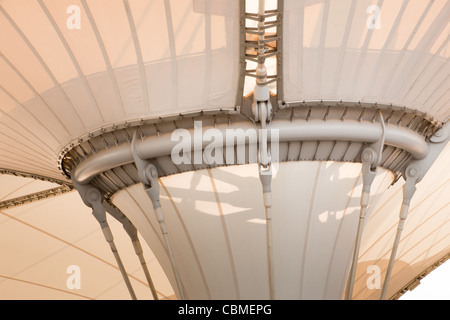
94	195
151	172
412	172
367	156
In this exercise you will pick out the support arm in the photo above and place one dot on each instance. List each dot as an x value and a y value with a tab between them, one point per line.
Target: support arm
371	158
93	198
412	177
148	175
413	174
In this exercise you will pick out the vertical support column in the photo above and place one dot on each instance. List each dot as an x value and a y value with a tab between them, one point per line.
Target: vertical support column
371	158
265	175
262	111
148	175
93	198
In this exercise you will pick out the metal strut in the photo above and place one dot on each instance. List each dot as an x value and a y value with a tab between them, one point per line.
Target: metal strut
412	177
93	198
262	111
148	175
265	175
413	174
259	43
371	158
133	234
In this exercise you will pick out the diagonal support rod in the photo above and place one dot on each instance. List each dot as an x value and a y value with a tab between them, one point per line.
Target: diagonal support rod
93	198
133	234
412	177
413	174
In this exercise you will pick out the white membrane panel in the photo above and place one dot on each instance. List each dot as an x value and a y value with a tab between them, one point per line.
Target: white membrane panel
216	224
71	67
386	52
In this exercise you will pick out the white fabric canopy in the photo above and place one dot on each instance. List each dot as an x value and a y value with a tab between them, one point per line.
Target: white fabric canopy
128	60
40	240
72	67
216	223
332	50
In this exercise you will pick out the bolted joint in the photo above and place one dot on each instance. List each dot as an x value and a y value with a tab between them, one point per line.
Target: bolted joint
370	157
265	159
92	198
412	176
151	173
93	195
412	172
265	175
152	188
148	174
265	112
264	156
145	174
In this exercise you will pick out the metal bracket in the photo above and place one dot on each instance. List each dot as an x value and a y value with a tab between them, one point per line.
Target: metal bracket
263	115
371	159
148	174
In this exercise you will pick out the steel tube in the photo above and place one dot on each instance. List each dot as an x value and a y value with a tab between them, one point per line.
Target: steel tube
297	130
